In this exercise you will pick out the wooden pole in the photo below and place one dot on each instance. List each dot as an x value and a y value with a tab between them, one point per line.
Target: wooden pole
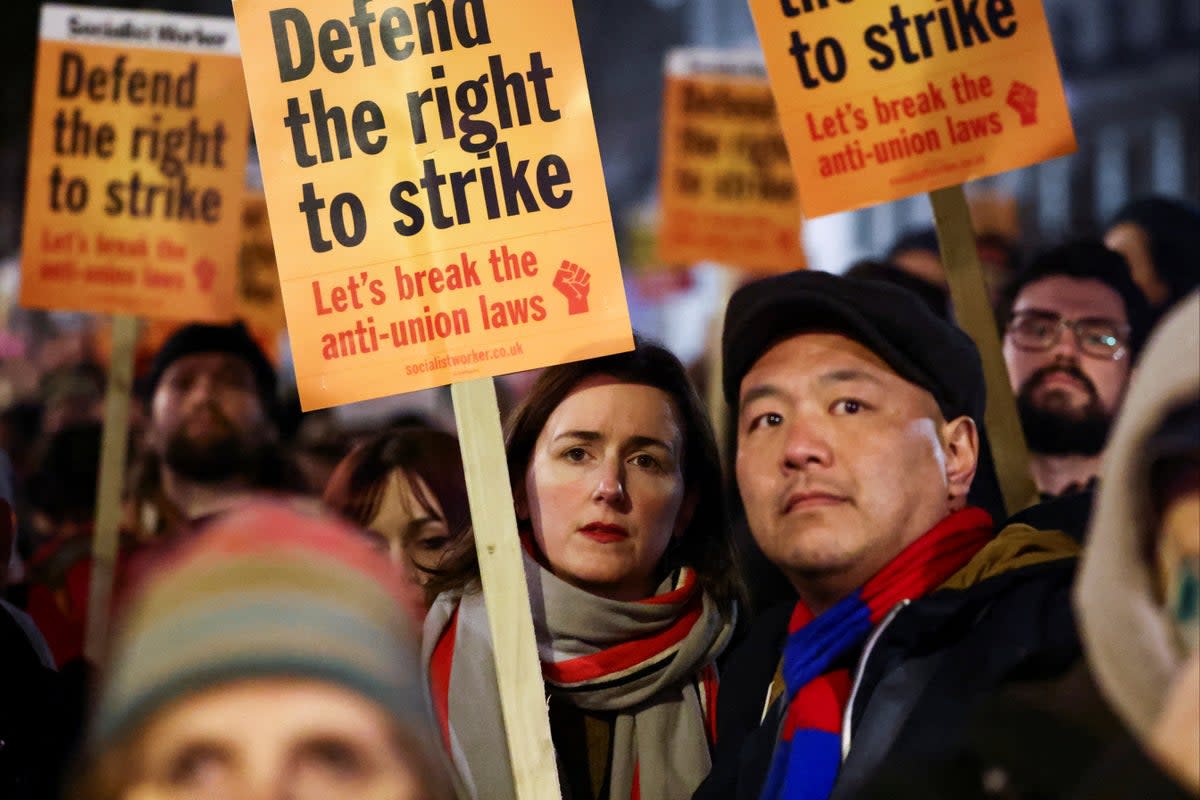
718	410
518	670
113	445
961	259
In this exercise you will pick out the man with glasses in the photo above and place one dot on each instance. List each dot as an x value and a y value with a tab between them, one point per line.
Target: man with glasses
1074	325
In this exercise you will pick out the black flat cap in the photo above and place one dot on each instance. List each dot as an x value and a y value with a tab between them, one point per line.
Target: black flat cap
891	321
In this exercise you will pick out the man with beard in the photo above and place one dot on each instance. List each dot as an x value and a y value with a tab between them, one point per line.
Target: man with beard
1076	321
211	437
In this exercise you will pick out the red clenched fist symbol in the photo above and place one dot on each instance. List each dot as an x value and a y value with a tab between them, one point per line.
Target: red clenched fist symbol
1023	98
206	273
572	281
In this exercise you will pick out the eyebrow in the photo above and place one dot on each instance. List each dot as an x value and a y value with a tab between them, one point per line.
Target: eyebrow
844	375
595	436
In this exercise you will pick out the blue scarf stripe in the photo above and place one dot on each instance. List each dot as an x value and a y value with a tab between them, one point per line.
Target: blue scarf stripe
813	754
810	651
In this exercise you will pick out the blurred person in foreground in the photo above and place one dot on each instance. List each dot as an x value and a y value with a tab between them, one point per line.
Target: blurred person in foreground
858	442
632	578
1138	594
62	503
1160	238
406	488
271	655
1074	322
35	725
211	440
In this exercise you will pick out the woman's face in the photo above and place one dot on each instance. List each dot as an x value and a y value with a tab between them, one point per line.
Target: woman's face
274	737
604	487
411	522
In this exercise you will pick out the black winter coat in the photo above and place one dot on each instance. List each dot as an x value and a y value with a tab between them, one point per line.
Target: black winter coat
931	666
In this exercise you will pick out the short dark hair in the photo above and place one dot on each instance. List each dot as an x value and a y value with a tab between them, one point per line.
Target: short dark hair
705	545
915	239
1172	228
1086	259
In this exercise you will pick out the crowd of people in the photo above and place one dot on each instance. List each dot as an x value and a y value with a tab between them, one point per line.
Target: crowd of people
844	609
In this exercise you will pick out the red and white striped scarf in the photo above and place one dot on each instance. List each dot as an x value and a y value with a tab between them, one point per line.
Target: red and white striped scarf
650	661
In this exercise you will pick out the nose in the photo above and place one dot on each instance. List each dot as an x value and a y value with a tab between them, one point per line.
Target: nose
610	483
806	446
202	390
1067	346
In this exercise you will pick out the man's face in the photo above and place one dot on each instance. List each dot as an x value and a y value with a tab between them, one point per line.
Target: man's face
1067	396
841	463
207	419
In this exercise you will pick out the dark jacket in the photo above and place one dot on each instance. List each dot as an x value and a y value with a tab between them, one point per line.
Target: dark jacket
923	672
35	720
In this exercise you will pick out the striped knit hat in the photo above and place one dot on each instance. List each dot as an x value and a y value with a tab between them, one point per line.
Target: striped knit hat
264	591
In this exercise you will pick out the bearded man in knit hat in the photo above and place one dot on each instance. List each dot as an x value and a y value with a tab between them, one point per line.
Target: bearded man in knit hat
859	415
211	438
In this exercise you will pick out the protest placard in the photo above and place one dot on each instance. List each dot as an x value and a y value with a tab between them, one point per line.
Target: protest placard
881	102
726	188
435	191
259	302
137	164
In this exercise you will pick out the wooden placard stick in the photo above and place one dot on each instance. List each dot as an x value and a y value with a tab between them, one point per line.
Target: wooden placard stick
502	573
718	411
114	442
961	259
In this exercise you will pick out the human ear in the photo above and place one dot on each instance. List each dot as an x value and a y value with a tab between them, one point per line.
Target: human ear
961	445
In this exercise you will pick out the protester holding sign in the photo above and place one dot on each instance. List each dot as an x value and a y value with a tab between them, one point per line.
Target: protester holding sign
631	576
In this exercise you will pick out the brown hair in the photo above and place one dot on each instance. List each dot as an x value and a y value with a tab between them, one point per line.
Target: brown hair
357	485
705	544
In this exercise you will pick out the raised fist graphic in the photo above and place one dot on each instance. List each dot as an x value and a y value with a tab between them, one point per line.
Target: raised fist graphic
572	280
1023	98
205	272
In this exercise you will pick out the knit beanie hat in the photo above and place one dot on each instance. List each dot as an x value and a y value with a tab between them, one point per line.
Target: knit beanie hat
264	591
232	339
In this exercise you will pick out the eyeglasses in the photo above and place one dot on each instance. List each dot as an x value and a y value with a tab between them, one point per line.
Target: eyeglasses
1097	337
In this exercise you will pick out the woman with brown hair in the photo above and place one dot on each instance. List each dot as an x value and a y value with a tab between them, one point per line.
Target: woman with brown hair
631	577
406	488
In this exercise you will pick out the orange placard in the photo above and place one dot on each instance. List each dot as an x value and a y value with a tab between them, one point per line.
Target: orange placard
258	300
879	102
435	191
137	164
726	185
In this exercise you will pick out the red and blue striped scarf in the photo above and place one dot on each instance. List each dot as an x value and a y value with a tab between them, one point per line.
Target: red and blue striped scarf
808	751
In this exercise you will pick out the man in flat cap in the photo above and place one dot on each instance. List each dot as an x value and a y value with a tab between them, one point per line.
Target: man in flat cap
858	439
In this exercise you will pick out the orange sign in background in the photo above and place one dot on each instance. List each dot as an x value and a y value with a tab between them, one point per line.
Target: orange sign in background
435	191
258	299
137	165
881	102
726	187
